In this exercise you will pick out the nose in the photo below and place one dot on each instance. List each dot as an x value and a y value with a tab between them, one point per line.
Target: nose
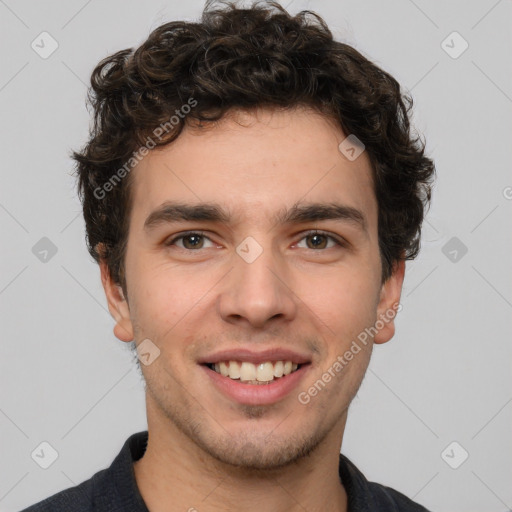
257	292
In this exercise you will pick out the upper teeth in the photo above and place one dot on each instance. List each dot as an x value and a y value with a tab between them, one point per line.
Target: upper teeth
262	372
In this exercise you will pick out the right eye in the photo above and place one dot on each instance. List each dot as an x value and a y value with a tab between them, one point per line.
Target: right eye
191	240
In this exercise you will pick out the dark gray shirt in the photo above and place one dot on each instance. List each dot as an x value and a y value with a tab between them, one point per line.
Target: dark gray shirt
115	489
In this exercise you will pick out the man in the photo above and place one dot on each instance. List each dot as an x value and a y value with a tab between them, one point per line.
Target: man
251	191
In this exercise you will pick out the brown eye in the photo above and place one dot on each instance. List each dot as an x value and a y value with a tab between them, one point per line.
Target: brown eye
193	241
317	240
190	241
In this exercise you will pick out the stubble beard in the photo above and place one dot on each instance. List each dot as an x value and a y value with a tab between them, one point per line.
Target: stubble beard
251	452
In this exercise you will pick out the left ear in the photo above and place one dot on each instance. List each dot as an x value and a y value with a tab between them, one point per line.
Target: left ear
389	303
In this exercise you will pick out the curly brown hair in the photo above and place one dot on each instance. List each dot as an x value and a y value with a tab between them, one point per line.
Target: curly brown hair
246	58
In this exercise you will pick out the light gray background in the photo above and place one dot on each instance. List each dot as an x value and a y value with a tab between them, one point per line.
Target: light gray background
446	376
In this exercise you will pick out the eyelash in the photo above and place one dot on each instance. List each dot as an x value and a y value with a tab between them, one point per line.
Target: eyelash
337	241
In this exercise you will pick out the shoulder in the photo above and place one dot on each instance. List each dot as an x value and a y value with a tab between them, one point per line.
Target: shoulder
79	498
113	489
392	500
366	496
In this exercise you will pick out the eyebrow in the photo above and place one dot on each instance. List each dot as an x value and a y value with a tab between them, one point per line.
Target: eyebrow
169	212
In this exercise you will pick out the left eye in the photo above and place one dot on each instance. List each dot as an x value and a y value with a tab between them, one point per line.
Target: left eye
320	241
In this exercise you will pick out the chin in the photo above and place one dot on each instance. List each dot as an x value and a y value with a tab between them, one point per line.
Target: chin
264	454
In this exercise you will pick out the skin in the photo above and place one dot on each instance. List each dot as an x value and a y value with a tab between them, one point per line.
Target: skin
205	450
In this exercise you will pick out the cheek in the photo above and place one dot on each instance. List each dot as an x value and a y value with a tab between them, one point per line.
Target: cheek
160	299
343	301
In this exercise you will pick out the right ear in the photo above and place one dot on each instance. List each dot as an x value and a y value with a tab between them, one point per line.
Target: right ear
117	304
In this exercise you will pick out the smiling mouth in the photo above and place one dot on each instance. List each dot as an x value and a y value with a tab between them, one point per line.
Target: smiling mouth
249	373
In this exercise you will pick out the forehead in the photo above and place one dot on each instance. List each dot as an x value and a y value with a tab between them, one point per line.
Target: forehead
256	165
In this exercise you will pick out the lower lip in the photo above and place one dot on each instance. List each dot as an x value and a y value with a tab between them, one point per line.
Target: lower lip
257	394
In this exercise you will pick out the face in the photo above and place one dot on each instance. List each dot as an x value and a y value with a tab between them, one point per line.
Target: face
254	241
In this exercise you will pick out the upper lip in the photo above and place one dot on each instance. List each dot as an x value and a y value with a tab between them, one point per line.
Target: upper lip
255	357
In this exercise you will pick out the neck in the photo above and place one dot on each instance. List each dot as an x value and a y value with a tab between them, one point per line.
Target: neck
177	475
